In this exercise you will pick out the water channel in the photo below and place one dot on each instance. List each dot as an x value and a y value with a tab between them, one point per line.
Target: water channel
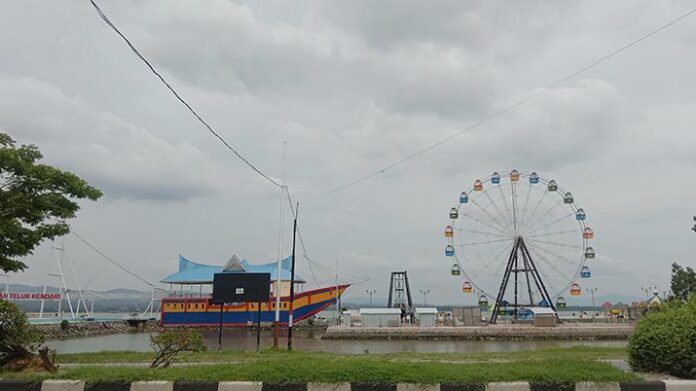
310	340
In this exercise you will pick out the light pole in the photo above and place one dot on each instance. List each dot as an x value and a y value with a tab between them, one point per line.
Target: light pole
648	290
370	292
592	291
424	293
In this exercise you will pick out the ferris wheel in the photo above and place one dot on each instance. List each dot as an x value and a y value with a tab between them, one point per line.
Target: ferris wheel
520	239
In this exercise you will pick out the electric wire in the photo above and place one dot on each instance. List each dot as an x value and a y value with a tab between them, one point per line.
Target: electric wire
118	265
510	107
178	96
106	19
327	271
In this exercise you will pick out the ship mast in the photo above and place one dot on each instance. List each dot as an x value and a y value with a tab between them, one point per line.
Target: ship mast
280	248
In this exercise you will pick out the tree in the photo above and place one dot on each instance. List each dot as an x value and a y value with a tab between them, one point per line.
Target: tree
683	282
35	201
19	341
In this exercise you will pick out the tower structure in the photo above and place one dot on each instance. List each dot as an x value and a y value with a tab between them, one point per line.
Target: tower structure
400	292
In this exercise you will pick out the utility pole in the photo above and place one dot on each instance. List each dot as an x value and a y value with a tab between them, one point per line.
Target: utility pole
292	278
370	292
592	291
648	290
424	293
283	189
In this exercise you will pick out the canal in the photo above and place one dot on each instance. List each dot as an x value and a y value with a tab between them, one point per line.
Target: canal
310	340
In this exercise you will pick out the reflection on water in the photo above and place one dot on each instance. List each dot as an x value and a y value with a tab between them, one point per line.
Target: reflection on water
310	340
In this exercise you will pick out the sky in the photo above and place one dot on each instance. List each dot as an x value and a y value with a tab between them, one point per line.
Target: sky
350	88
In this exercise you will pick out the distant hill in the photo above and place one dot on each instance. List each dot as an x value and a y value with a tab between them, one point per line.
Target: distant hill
113	300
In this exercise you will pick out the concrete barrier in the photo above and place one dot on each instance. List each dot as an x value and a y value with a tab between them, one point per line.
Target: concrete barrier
328	387
240	386
156	385
78	385
513	386
63	385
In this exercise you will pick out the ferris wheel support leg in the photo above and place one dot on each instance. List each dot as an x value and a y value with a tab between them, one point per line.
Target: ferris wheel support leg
503	284
537	279
527	269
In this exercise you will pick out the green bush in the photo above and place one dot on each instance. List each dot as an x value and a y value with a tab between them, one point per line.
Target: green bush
64	324
665	341
169	344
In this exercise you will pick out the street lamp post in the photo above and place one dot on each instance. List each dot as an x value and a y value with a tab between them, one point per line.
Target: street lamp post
648	290
370	292
424	293
592	292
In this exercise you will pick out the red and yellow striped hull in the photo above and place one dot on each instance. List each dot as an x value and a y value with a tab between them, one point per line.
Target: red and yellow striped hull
200	312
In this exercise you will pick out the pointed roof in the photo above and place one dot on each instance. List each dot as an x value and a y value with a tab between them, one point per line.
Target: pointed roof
197	273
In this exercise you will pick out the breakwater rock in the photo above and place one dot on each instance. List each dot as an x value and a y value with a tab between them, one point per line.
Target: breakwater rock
85	329
484	333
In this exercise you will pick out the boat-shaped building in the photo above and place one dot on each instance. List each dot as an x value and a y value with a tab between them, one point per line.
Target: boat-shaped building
187	308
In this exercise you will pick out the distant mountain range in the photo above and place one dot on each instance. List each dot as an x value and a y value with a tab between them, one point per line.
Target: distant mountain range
113	300
131	300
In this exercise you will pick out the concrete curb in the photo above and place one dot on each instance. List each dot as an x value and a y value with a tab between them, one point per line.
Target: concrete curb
79	385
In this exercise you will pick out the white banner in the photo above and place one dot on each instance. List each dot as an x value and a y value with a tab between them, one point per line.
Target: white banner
30	296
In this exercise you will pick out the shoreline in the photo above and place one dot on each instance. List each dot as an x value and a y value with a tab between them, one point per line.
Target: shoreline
482	333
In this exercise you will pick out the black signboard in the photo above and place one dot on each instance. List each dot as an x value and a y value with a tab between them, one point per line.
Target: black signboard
241	287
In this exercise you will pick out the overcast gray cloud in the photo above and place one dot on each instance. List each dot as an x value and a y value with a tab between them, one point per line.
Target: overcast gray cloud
353	87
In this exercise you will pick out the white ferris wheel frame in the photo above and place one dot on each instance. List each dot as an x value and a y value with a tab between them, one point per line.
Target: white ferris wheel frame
582	225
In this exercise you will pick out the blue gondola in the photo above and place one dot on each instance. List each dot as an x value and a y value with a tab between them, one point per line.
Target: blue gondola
449	251
580	215
589	253
454	213
585	272
533	178
495	178
552	186
463	198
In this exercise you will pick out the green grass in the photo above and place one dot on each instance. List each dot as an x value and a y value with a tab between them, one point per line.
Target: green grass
573	353
541	366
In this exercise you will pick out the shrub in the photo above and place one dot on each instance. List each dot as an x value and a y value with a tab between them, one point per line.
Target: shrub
19	342
64	324
169	344
665	341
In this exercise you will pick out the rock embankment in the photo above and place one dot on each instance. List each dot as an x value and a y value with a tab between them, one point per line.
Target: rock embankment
502	332
86	329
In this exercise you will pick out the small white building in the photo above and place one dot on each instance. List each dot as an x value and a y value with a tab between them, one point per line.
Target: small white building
544	316
380	317
427	317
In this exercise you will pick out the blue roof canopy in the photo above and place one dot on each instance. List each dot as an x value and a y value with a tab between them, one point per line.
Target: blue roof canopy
197	273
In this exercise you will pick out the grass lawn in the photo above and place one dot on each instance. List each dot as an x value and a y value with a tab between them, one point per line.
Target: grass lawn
561	354
541	366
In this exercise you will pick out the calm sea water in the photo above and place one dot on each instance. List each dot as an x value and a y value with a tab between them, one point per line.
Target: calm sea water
310	340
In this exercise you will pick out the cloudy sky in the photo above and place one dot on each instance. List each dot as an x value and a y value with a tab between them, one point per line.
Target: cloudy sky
353	87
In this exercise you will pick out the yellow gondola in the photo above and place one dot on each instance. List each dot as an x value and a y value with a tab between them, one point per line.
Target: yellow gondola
514	176
478	185
466	288
575	290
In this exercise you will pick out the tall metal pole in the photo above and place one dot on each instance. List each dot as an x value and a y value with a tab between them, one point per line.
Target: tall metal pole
276	324
292	278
